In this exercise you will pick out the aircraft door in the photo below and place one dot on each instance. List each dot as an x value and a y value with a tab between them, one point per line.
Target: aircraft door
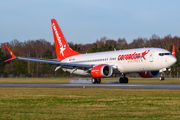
151	56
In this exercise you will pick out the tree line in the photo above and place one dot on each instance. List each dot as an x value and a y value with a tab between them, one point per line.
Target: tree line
41	48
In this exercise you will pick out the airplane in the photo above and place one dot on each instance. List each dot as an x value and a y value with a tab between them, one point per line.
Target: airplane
148	62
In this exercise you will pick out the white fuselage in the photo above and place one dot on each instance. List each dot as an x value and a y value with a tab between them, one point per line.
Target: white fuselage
126	61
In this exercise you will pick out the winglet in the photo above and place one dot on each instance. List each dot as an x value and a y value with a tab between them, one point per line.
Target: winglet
13	56
173	51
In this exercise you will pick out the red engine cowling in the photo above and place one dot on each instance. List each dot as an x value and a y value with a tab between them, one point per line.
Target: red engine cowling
102	70
148	74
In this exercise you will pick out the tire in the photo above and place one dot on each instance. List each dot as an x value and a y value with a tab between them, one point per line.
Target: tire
94	80
98	80
161	78
126	80
121	80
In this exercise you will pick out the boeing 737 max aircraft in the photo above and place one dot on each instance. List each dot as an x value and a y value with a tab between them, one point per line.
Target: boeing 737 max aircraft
148	62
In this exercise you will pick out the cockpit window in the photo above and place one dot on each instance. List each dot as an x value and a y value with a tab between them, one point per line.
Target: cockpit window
168	53
162	54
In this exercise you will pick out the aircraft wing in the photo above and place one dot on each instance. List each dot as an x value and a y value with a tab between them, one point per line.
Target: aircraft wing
51	61
56	62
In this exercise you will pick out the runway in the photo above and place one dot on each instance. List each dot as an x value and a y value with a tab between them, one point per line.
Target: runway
88	85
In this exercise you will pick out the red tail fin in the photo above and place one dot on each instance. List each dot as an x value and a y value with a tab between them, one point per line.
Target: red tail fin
173	51
62	48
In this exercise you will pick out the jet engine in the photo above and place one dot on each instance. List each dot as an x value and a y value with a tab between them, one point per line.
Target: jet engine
102	70
148	74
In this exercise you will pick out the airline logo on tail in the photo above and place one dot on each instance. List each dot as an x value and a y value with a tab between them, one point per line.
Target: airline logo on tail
62	48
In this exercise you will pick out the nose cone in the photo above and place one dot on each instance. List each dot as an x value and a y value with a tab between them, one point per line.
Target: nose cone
172	60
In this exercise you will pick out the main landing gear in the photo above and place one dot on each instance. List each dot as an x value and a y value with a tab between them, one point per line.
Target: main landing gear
96	80
123	79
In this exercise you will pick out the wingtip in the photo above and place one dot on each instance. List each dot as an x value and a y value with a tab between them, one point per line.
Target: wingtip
9	59
13	56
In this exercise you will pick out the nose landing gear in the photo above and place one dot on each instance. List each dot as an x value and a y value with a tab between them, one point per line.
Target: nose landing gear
162	76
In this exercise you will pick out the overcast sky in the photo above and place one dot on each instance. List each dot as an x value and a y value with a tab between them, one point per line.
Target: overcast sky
83	21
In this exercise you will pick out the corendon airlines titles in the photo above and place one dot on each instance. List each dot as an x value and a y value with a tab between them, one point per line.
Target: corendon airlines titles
133	56
59	40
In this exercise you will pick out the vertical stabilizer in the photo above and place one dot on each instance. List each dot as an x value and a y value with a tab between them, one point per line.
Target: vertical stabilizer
173	51
62	48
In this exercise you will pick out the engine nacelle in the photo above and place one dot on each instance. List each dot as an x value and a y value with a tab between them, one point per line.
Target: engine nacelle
148	74
102	70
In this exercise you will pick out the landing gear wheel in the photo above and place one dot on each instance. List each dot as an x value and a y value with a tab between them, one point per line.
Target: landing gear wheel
98	80
161	78
94	80
121	80
126	80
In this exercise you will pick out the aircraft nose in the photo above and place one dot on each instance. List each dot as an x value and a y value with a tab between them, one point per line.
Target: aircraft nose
173	60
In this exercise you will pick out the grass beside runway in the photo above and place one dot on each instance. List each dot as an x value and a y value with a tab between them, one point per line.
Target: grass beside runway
59	103
104	80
